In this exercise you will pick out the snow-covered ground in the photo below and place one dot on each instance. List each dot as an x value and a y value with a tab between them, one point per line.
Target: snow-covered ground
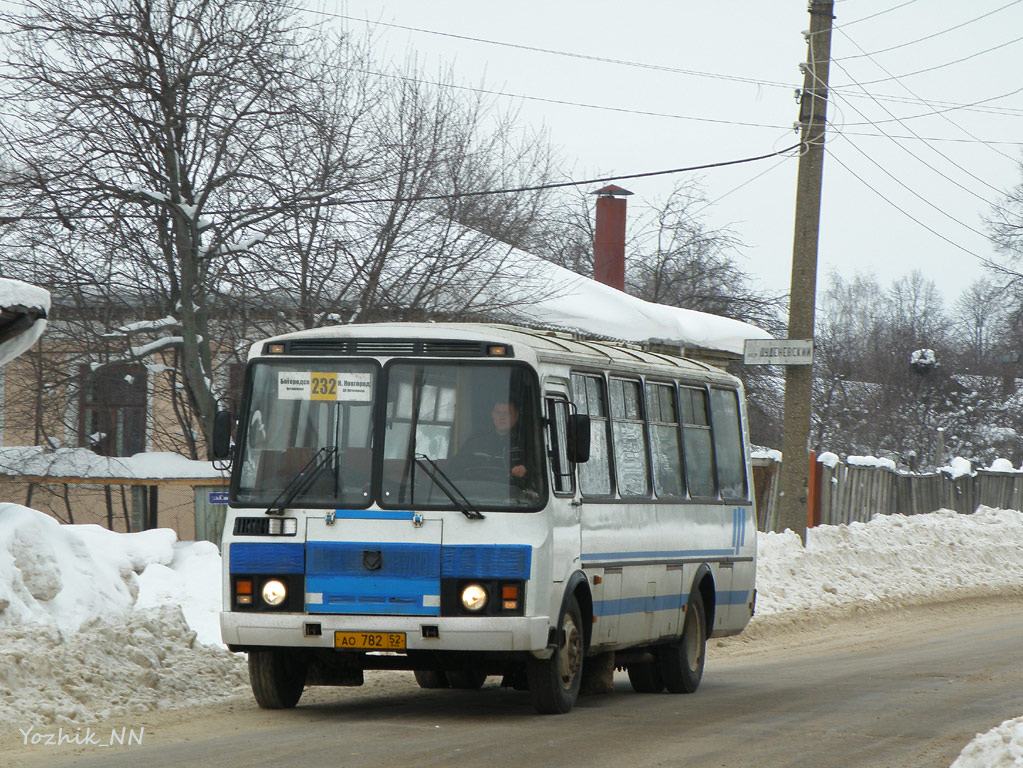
95	624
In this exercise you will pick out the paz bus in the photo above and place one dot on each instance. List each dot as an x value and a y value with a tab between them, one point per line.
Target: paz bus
468	500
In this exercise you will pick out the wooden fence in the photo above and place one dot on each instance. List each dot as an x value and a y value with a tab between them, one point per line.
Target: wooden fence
848	493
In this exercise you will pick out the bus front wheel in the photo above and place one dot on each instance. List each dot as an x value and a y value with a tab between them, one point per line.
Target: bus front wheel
682	661
554	682
277	678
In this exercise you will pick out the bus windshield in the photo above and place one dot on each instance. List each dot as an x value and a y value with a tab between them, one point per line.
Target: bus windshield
435	435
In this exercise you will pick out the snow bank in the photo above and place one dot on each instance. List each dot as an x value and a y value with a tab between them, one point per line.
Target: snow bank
95	624
1001	747
892	560
66	575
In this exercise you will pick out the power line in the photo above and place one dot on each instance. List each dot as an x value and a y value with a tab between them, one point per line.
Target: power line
931	167
985	261
874	15
563	184
455	195
564	102
934	111
931	36
946	64
551	51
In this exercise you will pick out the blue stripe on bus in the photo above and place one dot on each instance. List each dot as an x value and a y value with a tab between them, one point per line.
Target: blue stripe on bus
267	557
626	605
374	514
658	554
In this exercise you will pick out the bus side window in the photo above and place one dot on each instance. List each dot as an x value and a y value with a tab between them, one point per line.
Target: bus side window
589	396
731	459
561	468
665	439
696	439
627	427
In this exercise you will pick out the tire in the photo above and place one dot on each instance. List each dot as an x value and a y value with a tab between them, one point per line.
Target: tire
431	678
646	676
682	662
554	682
466	679
277	678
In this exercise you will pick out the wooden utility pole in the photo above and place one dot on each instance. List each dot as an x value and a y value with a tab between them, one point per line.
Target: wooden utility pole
794	479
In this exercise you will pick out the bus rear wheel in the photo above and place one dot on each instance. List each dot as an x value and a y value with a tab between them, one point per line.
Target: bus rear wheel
277	678
682	662
554	682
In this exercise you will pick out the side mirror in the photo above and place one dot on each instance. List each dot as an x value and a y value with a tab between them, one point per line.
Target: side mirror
578	438
222	424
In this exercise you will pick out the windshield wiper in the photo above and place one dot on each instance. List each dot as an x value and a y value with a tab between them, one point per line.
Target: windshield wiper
429	466
303	480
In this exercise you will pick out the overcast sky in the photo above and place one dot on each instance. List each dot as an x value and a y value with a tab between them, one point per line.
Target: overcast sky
891	158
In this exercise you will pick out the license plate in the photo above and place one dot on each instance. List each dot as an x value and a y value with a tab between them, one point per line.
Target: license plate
370	641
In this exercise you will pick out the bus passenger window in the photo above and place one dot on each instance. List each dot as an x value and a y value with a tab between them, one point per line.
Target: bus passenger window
699	452
664	437
629	441
561	467
731	459
595	474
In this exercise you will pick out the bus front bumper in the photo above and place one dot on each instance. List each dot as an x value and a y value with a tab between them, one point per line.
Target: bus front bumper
430	633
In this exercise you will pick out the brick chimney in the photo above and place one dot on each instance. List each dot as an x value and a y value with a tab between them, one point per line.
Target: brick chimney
609	240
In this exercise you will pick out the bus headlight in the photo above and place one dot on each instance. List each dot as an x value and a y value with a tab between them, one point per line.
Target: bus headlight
274	592
474	598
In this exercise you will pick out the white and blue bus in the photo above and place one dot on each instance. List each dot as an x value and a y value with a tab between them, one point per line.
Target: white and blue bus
465	500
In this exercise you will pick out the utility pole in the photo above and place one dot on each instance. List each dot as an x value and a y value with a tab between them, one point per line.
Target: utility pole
813	104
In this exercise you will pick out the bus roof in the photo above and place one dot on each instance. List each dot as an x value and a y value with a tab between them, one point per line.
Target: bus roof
533	345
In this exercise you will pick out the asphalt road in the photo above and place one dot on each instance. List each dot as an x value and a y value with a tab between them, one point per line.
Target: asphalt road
906	688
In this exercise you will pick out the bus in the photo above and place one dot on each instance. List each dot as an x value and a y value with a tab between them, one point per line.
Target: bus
471	500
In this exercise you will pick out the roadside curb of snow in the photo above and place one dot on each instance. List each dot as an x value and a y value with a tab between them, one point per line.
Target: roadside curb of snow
146	661
796	623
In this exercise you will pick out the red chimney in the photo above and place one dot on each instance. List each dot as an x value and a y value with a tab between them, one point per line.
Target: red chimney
609	240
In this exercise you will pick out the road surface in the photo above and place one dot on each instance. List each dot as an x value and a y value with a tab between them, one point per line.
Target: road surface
905	688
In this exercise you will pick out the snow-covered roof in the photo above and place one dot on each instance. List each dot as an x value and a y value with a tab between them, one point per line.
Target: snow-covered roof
576	302
23	310
83	464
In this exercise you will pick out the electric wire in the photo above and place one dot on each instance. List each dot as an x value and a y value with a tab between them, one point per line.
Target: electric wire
564	102
974	55
983	260
939	152
940	113
931	36
458	195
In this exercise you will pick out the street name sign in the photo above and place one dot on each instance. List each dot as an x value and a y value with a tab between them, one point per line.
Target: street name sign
777	351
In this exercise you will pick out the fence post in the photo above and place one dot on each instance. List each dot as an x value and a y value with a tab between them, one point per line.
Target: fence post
813	495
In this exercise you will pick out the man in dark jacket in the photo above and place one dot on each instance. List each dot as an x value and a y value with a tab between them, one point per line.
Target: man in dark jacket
502	446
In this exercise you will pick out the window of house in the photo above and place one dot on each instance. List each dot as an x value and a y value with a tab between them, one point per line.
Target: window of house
112	409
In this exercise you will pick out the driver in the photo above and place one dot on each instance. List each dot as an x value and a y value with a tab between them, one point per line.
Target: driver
500	444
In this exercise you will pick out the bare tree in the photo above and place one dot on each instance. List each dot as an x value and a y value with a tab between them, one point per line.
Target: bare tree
206	166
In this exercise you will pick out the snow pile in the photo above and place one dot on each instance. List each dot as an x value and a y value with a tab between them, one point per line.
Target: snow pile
1001	747
26	301
958	467
95	624
892	560
143	661
870	461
